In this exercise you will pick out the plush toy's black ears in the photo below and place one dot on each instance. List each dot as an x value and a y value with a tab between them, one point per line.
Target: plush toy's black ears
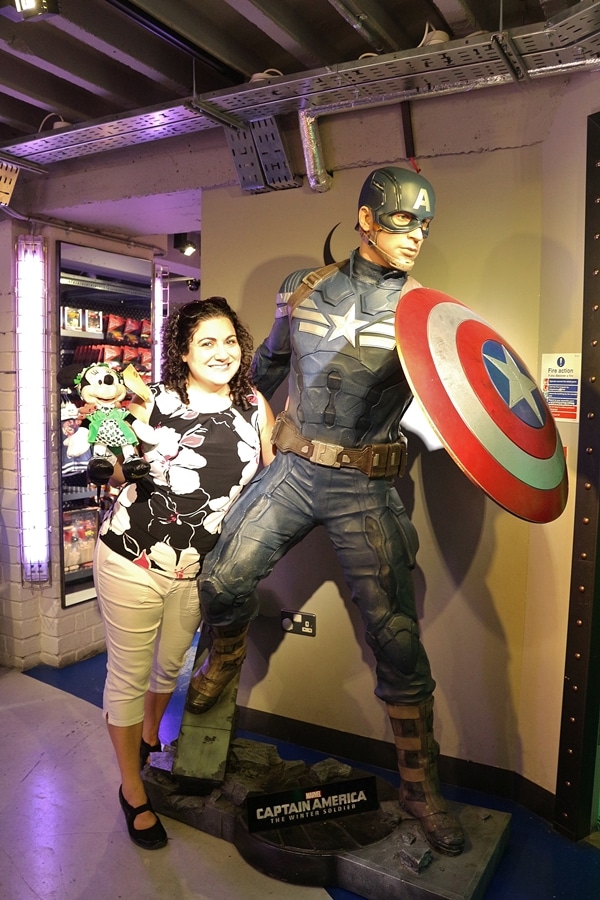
67	375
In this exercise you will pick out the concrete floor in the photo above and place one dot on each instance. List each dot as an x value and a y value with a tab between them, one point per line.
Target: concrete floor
62	832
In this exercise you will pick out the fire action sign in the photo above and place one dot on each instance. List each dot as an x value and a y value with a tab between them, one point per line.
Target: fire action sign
561	384
301	806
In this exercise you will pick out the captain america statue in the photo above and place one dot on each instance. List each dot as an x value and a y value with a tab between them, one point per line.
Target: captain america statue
339	449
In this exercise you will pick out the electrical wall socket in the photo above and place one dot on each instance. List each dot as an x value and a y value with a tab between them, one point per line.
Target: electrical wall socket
299	623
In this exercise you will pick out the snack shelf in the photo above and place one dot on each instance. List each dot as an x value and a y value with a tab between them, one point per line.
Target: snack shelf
120	335
81	335
80	530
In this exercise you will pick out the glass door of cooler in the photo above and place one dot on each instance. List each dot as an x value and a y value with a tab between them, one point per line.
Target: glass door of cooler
105	315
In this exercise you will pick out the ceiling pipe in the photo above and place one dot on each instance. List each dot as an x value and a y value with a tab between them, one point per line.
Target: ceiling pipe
319	178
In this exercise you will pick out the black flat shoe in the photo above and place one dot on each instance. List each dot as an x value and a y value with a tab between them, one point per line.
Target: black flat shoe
152	838
146	749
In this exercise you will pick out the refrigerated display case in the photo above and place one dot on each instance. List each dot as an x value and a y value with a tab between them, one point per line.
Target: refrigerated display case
105	315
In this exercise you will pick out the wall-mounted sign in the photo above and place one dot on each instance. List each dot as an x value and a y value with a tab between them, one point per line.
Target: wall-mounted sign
561	384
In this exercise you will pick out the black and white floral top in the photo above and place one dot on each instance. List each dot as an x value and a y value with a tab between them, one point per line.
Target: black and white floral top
170	519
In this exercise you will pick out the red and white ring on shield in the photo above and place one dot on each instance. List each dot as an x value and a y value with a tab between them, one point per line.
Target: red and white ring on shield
483	403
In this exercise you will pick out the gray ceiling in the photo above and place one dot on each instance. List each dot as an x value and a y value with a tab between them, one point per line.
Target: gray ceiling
105	74
103	59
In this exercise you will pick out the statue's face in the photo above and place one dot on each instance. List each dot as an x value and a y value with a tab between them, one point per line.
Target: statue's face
392	249
404	222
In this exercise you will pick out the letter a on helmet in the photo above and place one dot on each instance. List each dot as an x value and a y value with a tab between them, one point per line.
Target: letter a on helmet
391	190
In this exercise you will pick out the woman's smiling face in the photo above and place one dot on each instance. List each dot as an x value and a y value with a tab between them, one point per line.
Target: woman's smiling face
213	356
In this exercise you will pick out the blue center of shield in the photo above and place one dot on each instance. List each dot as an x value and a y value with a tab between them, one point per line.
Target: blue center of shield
514	384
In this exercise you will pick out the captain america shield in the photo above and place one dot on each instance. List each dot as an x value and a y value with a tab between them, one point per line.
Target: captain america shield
483	403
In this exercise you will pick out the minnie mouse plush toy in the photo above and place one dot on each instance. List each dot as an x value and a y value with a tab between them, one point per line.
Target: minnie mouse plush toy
108	428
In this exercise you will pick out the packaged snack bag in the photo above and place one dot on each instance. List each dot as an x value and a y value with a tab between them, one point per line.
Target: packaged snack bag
145	361
146	333
130	355
132	331
112	355
115	327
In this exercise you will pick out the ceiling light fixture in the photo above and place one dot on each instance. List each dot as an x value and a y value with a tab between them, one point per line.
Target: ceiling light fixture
37	9
160	312
182	243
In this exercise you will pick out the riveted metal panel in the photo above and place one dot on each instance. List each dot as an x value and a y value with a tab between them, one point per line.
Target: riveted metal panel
272	154
246	160
260	158
574	812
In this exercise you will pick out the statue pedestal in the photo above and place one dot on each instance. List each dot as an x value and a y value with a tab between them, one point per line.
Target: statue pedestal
202	748
379	855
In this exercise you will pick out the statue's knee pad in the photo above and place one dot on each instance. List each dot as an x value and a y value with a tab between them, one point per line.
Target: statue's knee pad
226	602
215	596
397	644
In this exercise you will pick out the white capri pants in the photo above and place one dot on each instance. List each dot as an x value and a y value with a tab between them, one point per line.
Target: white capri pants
150	621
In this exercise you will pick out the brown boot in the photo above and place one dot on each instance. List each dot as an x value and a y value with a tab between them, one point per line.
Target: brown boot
223	662
420	785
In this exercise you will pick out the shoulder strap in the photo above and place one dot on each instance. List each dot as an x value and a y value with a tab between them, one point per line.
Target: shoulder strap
310	282
409	285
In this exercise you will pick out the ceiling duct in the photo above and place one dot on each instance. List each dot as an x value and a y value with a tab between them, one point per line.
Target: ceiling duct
569	43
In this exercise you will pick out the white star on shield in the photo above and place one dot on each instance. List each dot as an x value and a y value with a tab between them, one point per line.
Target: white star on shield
519	385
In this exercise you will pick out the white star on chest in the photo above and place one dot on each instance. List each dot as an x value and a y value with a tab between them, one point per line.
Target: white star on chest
346	326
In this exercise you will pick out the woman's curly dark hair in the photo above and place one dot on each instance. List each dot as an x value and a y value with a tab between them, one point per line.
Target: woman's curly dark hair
177	334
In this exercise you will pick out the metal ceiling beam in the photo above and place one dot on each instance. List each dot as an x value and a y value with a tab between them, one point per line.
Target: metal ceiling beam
198	30
21	116
378	30
151	26
569	44
58	55
459	17
49	93
112	133
485	15
552	8
114	34
285	29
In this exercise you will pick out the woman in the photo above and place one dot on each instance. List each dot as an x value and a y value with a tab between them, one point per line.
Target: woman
205	430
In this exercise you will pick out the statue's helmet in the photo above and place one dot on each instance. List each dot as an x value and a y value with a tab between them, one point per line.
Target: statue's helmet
392	190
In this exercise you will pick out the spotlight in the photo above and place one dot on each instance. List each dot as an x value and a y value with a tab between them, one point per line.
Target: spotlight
37	9
182	243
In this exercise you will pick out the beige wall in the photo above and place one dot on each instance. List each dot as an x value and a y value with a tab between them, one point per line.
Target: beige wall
493	590
508	164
